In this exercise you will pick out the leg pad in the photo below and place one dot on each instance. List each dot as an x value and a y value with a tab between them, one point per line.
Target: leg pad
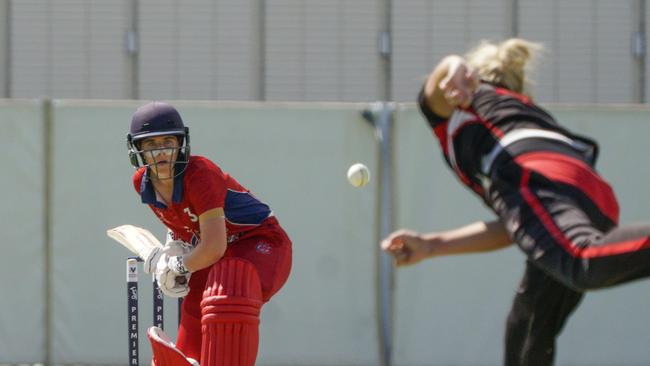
230	314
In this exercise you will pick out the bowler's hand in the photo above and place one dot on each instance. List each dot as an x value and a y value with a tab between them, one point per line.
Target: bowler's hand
459	84
406	247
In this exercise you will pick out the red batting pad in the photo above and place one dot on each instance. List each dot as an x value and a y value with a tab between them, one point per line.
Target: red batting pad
230	312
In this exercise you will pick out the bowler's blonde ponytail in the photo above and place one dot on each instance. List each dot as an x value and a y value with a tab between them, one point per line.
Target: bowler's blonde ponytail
504	63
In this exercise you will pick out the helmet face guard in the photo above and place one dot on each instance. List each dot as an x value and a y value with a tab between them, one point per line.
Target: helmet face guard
158	119
138	156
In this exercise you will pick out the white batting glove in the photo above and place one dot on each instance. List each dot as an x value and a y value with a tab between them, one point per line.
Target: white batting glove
170	273
169	284
171	248
172	283
177	247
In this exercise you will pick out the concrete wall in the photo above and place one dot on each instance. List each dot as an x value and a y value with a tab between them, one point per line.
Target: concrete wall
294	156
22	314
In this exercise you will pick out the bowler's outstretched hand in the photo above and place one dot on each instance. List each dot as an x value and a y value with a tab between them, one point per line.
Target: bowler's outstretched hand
460	83
406	247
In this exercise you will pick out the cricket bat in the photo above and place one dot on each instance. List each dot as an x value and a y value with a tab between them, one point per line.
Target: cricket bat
136	239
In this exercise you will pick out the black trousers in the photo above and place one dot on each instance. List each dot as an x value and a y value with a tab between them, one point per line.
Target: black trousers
564	218
538	314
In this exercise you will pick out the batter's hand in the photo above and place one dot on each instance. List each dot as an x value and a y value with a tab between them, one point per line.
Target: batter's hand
459	84
170	283
171	248
406	247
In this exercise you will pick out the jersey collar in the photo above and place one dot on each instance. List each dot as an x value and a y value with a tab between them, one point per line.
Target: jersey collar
148	193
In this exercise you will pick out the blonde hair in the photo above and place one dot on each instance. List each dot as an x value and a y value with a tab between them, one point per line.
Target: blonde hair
504	63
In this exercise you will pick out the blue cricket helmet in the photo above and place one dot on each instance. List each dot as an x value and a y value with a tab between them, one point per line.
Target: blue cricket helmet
156	119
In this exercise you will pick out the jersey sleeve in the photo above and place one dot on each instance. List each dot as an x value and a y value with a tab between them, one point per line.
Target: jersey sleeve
206	189
432	118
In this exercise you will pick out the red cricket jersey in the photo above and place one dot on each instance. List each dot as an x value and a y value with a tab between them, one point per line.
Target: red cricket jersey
201	187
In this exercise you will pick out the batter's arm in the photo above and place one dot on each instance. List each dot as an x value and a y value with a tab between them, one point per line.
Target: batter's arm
212	246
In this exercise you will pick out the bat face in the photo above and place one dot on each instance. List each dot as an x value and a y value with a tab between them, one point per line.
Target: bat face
137	240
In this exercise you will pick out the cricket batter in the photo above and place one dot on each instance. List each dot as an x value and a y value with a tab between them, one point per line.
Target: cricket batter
539	179
236	255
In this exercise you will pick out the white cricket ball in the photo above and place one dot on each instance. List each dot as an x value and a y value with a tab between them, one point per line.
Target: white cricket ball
358	175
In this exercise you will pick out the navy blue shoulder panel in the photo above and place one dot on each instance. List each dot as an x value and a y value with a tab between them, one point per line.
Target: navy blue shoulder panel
242	208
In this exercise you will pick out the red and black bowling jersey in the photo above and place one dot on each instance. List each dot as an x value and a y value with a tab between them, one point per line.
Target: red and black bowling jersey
469	136
540	180
201	187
